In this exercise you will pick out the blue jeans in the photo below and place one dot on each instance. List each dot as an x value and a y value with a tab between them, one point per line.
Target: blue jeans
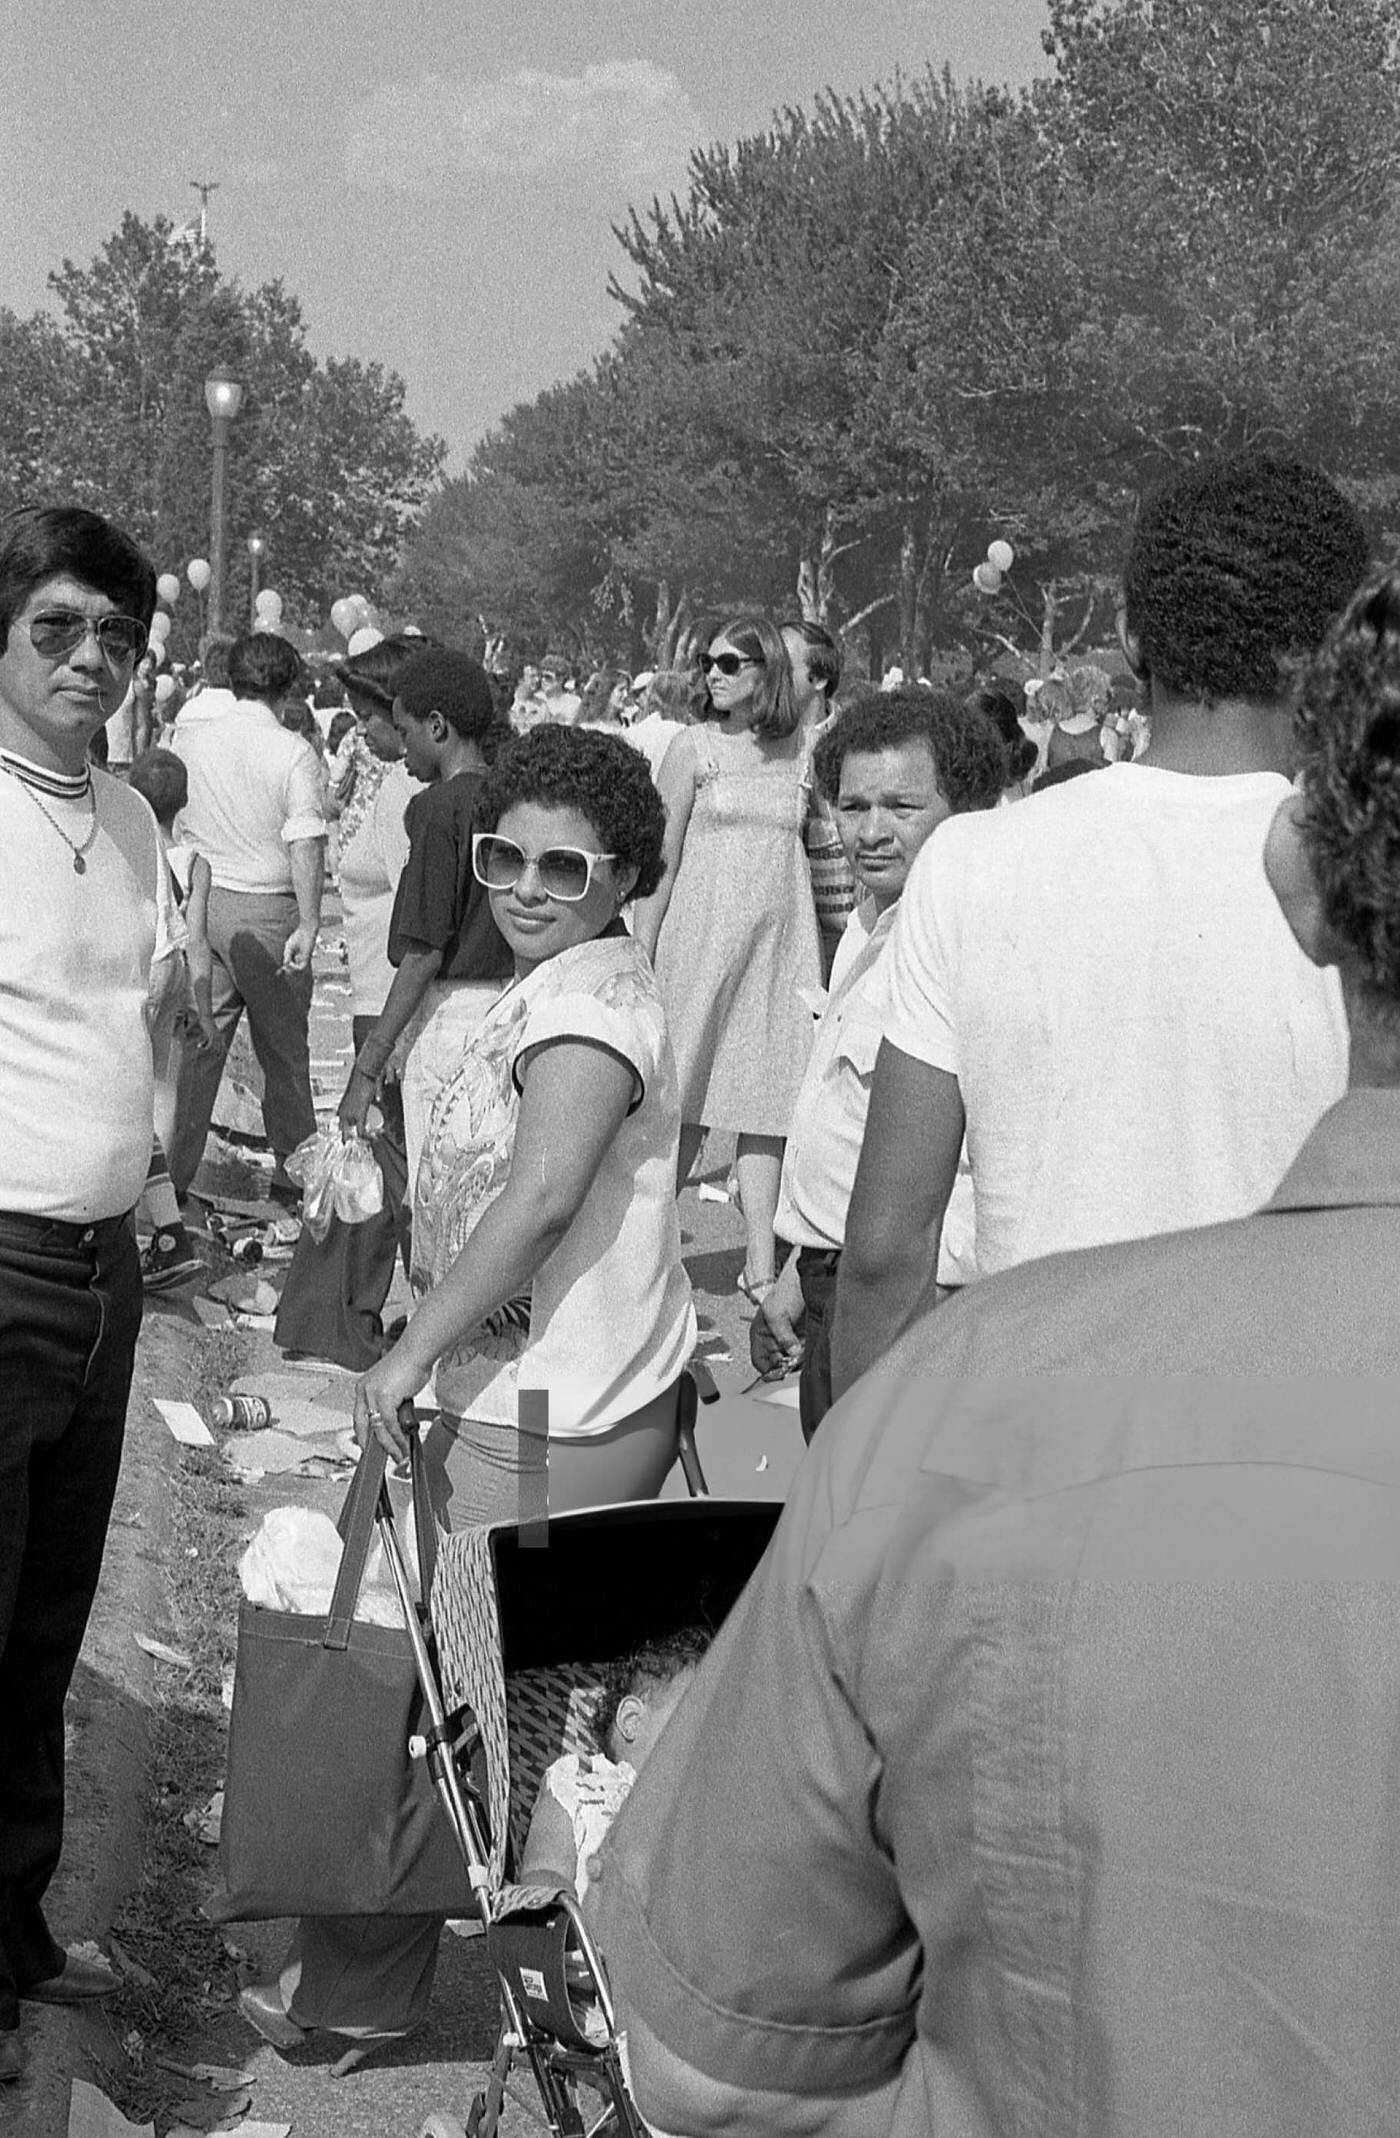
70	1308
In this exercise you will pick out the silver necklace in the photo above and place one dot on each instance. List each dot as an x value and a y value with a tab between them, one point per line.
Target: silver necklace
78	851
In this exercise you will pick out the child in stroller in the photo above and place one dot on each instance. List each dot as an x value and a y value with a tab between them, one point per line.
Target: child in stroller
582	1793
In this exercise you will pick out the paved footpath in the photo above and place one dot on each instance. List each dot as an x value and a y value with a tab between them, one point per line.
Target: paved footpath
748	1449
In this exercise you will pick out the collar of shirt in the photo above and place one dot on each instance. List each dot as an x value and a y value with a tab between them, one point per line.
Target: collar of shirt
1351	1159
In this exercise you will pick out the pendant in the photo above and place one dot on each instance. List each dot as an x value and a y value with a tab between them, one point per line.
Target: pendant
79	865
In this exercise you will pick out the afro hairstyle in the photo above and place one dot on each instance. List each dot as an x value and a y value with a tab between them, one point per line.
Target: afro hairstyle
1235	571
968	754
604	778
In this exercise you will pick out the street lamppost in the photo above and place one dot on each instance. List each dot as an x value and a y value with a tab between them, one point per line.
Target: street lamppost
257	550
223	397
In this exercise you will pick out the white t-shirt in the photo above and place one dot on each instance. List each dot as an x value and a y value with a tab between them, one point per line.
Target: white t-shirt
76	950
611	1319
370	865
1140	1044
828	1121
254	789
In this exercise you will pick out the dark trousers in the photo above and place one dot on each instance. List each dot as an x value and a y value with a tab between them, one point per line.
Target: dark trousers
816	1273
70	1308
247	934
336	1288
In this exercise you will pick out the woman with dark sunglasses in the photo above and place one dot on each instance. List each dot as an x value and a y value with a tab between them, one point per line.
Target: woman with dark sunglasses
732	925
554	1310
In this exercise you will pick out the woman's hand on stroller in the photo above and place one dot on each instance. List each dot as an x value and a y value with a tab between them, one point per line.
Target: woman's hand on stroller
381	1395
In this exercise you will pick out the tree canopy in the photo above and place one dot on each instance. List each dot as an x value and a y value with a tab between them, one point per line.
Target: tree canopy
895	324
104	406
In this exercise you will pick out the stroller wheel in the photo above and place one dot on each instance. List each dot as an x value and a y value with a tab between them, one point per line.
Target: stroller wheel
440	2126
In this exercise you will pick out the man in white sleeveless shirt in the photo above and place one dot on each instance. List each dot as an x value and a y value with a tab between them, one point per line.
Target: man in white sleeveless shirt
82	878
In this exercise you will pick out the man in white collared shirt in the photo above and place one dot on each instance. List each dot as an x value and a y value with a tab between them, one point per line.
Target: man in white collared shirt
891	766
256	813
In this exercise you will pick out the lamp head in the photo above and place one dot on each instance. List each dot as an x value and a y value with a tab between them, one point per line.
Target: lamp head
223	396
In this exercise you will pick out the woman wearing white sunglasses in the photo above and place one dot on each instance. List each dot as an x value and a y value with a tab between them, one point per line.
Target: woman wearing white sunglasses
546	1244
547	1253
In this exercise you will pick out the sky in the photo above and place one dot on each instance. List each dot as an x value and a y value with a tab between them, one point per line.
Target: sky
435	181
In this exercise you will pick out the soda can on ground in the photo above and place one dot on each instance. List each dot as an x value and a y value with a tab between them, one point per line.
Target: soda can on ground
244	1413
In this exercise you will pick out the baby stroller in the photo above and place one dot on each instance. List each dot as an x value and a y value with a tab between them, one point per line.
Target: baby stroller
522	1616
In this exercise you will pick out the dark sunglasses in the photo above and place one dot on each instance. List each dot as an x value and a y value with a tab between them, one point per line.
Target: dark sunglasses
728	664
565	872
55	632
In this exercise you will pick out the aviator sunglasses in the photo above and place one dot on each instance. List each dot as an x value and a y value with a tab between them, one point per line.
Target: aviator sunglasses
55	632
565	872
728	664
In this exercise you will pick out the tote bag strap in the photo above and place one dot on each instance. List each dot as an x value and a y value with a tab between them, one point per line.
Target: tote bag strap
356	1526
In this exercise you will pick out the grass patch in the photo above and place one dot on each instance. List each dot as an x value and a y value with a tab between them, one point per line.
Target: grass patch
193	1975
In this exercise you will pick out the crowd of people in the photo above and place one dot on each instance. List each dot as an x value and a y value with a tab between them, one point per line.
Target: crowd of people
1043	1776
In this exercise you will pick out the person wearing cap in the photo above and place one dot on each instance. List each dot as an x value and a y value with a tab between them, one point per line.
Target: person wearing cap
1096	986
449	958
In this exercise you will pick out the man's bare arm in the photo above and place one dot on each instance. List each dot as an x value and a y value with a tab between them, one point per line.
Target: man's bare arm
908	1163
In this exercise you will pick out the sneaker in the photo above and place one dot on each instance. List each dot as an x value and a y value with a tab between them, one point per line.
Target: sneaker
169	1260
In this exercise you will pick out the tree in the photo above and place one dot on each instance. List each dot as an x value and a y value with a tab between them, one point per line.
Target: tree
323	461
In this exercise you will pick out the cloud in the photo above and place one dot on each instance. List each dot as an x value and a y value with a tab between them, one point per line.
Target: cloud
626	120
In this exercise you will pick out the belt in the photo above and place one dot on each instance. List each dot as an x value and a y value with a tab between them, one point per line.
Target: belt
61	1231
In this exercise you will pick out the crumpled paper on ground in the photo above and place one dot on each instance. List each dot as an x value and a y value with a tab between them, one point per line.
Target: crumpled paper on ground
293	1561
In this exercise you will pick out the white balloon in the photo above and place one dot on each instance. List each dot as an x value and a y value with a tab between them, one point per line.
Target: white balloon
199	573
168	588
345	616
158	651
364	638
986	578
1001	556
165	688
269	604
160	627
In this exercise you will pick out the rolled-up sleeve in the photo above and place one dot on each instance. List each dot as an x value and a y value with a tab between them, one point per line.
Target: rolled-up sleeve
750	1914
304	798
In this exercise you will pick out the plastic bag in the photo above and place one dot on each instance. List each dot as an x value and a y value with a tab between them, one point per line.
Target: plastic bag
340	1177
293	1561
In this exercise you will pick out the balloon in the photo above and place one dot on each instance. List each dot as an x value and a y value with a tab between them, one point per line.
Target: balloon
345	616
160	628
269	603
199	574
158	652
168	588
361	606
1001	556
986	578
165	688
364	638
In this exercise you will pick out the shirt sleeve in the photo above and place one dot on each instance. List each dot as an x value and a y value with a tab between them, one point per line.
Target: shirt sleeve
425	913
749	1910
917	970
588	1017
304	797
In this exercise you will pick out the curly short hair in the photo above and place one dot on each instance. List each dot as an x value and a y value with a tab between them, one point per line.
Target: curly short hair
598	774
1235	571
649	1668
968	754
1348	731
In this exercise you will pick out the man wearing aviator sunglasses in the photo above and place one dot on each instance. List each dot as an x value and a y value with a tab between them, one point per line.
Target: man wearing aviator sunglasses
81	882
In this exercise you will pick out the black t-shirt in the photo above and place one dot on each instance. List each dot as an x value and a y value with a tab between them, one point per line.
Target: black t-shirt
439	904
